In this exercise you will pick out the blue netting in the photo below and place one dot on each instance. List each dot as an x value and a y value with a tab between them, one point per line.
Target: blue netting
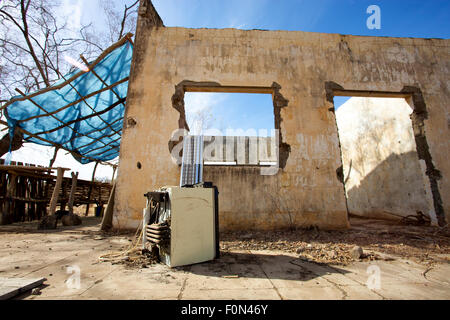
94	138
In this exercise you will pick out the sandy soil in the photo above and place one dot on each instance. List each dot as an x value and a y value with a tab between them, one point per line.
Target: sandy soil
379	239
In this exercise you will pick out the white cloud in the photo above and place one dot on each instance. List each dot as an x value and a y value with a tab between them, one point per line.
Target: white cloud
199	109
70	12
235	25
200	101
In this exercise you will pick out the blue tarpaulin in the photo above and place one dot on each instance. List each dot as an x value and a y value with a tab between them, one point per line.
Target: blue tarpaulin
73	114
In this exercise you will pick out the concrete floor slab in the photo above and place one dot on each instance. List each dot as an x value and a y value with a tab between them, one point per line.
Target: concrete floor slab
236	270
438	273
311	293
98	293
230	294
238	274
360	292
414	291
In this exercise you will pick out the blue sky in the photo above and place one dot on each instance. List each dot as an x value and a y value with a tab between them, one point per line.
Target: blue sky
232	111
399	18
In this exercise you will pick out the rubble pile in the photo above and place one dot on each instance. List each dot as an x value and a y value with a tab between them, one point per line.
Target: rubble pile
138	259
424	244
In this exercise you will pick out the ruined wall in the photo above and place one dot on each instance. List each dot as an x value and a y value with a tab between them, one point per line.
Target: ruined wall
382	173
299	64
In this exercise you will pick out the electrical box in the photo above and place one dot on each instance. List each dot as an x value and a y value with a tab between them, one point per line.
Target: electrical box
183	224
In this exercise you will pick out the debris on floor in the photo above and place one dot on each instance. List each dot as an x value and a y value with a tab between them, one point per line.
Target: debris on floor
133	256
378	240
36	291
138	259
356	252
129	278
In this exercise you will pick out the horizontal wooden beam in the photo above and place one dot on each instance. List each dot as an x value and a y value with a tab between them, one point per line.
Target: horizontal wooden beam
27	168
59	120
370	94
76	101
228	89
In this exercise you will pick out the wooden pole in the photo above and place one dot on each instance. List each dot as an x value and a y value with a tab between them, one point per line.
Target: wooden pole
52	160
72	191
98	77
3	191
90	189
114	172
107	221
55	195
10	192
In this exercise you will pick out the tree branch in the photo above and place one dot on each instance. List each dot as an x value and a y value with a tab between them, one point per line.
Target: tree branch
125	15
23	11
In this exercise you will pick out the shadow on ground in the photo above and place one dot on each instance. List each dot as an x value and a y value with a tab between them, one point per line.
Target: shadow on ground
264	266
32	226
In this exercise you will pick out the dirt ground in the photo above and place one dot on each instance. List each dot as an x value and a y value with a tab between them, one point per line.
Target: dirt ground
423	244
301	264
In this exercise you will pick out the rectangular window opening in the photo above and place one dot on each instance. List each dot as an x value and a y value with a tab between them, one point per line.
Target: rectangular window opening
383	176
238	128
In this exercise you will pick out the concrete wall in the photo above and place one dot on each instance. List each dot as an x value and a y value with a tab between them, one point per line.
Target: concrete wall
382	173
301	63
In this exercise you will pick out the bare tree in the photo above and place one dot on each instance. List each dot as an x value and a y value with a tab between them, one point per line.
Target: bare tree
120	22
200	121
34	42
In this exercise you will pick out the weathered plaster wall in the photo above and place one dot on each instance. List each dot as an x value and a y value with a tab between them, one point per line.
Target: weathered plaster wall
382	173
301	63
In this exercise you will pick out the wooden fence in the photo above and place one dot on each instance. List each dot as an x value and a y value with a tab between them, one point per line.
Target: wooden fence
26	191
